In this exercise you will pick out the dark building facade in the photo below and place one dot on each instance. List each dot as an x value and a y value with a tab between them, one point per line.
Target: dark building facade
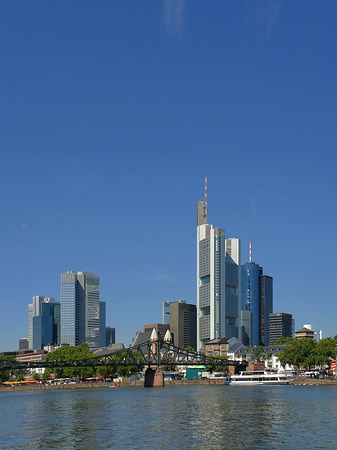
110	336
280	325
183	324
266	307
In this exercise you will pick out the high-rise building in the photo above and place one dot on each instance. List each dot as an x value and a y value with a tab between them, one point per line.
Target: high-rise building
43	322
266	307
110	336
183	324
102	323
166	312
80	309
250	301
23	344
256	303
217	300
280	325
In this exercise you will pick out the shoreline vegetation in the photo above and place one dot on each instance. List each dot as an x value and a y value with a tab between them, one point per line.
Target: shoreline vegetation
40	387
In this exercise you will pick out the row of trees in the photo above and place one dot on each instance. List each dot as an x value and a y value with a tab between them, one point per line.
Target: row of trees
304	353
68	353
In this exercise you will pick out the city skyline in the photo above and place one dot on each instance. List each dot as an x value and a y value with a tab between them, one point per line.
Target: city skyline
112	117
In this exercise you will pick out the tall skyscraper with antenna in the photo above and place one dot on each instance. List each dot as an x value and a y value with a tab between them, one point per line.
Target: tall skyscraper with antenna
218	280
256	303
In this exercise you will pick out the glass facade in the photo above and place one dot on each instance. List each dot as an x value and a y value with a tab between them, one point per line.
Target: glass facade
250	299
102	319
80	311
69	310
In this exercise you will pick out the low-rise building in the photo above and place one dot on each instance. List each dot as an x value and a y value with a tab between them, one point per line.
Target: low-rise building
216	347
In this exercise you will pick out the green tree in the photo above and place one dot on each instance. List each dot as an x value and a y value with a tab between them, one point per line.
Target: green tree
20	377
6	375
36	376
299	352
69	353
218	367
259	353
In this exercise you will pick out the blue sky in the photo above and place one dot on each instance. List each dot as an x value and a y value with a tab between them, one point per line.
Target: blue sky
113	112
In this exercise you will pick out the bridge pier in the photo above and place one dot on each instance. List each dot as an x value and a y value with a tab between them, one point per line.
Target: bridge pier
154	378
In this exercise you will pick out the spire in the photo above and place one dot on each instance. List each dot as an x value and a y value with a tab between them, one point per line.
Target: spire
250	251
205	201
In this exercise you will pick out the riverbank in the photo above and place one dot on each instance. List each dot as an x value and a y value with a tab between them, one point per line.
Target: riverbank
43	387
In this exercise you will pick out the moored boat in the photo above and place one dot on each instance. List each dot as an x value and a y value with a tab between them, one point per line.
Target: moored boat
260	377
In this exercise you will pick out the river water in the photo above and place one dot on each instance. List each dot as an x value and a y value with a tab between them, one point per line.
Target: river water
174	417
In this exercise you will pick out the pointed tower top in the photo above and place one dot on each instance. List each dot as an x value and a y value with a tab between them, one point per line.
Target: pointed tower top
154	335
168	337
250	251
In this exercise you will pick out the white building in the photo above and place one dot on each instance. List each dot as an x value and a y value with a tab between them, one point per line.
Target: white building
218	281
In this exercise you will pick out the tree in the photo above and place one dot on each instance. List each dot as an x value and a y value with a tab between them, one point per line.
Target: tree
36	376
299	352
68	353
259	353
5	375
218	367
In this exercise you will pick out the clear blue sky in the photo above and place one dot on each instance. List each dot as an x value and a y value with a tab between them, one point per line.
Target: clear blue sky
113	112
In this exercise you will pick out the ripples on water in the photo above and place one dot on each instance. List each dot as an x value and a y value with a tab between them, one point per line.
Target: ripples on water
174	417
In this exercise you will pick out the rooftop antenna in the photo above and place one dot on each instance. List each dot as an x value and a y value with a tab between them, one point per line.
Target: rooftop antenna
250	251
205	200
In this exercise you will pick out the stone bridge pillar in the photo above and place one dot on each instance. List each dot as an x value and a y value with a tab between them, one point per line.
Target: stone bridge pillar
154	378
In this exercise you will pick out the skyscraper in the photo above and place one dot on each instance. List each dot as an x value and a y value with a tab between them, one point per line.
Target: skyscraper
102	323
80	309
256	303
266	307
217	301
280	325
250	301
183	323
44	321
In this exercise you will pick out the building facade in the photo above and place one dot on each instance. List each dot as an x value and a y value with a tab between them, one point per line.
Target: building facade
183	324
80	309
280	325
256	304
218	281
110	336
250	301
266	307
43	322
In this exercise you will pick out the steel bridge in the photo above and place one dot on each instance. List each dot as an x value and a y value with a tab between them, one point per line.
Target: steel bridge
156	354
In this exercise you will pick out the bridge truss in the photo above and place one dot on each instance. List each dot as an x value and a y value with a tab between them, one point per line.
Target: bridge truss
148	354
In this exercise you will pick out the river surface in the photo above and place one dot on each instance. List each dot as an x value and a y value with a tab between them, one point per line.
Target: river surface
174	417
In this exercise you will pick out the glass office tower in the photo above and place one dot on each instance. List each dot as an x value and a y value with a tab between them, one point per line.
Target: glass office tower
80	309
250	301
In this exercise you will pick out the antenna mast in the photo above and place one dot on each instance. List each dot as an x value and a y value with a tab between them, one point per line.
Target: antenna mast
205	200
250	251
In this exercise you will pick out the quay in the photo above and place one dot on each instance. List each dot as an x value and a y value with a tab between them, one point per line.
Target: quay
140	383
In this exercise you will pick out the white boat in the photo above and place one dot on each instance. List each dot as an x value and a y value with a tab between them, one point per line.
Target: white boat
260	377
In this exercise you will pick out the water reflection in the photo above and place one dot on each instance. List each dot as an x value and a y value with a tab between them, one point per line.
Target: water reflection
184	417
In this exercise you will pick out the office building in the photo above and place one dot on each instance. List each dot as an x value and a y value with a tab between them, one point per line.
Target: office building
110	336
166	312
266	307
280	325
256	303
183	324
80	309
43	322
217	300
250	301
23	344
102	324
